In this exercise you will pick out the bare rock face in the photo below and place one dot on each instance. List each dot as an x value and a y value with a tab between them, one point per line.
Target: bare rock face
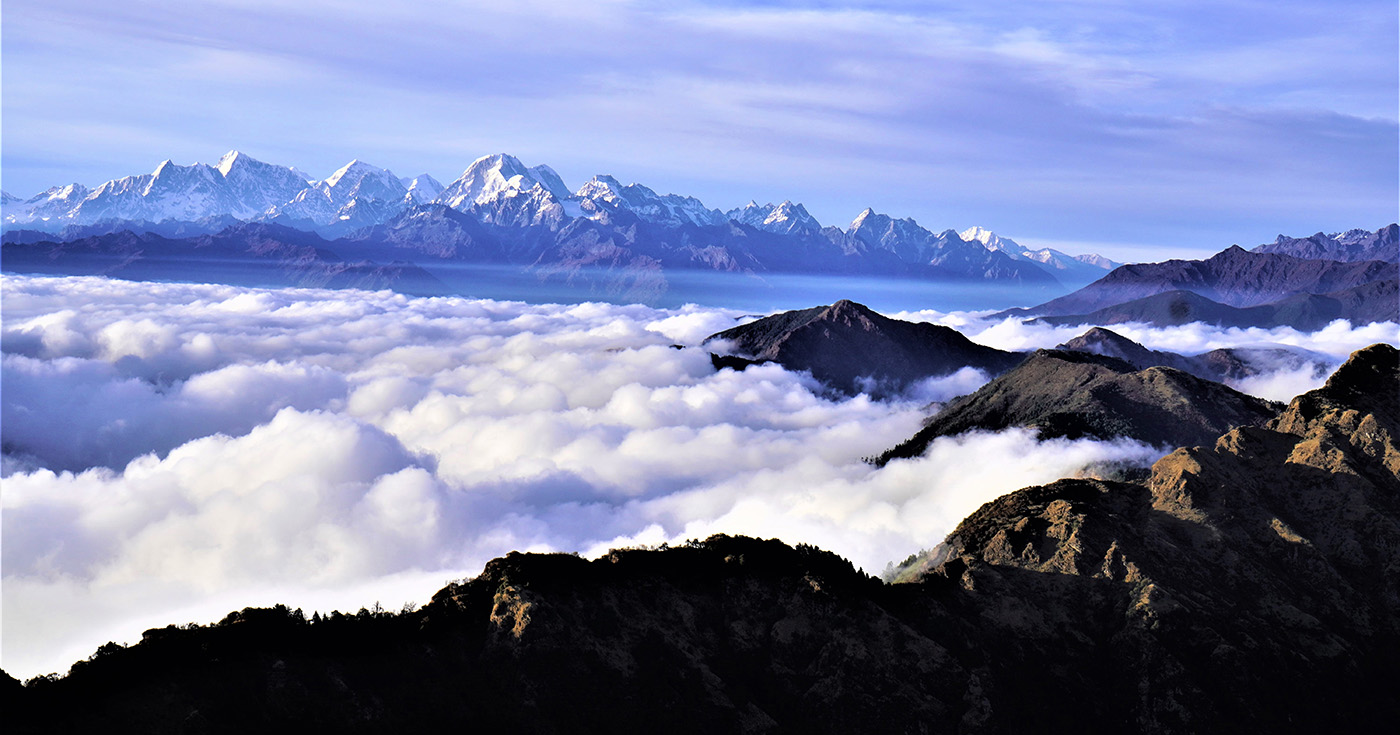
852	349
1246	586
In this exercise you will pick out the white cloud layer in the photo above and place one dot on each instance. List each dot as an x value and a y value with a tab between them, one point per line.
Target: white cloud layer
175	451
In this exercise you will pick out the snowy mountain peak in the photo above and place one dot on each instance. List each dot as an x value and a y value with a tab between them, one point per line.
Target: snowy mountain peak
357	193
227	162
786	218
977	234
867	215
491	176
551	181
422	188
607	180
992	241
355	169
603	194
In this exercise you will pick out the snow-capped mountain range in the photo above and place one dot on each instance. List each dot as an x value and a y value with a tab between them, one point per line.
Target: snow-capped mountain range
1074	267
500	191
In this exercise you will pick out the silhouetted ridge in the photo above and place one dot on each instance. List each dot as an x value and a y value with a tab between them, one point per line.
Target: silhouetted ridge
852	349
1083	394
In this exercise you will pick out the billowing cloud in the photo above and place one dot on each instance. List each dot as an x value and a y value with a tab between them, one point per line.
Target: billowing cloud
174	451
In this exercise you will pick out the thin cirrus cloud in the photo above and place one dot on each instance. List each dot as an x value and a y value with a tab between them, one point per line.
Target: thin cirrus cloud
1179	124
176	451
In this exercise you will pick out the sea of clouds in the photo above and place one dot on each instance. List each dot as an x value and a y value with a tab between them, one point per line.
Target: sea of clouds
174	451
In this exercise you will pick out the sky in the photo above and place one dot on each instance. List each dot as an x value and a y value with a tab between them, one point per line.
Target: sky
176	451
1137	130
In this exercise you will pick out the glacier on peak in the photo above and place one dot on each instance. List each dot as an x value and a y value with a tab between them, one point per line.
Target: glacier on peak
1070	268
604	195
485	179
422	188
356	194
784	218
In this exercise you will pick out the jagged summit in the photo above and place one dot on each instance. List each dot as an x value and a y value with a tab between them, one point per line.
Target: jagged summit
491	177
991	240
786	217
227	161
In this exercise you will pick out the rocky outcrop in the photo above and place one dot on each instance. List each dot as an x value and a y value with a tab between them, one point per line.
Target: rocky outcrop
852	349
1246	586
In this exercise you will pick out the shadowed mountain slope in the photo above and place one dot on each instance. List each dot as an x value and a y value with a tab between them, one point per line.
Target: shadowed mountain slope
1249	586
1375	301
852	349
1226	363
1233	277
1077	394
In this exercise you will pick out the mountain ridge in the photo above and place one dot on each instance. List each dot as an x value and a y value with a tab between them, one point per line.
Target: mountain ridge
1062	394
1233	277
497	189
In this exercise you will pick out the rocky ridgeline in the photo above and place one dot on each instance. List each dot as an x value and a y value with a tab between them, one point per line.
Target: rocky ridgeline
1246	586
1065	394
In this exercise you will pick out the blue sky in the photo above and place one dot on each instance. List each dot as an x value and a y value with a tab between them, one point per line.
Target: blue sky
1142	130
